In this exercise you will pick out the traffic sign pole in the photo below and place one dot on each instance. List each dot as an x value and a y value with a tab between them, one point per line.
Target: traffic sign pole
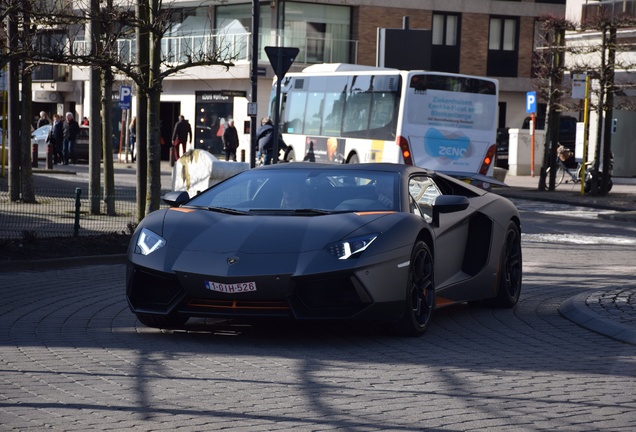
531	108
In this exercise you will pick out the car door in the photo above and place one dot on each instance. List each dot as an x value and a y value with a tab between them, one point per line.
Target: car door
451	232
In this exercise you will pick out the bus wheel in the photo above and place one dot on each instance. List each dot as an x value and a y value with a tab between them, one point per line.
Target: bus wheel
354	159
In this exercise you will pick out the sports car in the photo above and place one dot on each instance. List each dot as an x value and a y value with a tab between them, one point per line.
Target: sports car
309	241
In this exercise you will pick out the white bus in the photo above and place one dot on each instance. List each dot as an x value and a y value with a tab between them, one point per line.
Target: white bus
341	113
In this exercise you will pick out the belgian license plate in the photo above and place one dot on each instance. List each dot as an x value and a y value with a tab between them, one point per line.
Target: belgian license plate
230	288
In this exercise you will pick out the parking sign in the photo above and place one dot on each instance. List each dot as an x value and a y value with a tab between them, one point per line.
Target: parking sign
531	102
125	95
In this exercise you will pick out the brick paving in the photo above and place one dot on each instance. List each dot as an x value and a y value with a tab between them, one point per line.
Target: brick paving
611	312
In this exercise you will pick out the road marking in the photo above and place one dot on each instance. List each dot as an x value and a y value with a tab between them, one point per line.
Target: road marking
579	239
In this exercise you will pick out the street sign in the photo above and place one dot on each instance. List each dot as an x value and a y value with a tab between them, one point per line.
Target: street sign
578	86
125	96
281	59
531	102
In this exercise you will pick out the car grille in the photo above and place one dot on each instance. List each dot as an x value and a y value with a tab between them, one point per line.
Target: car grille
153	292
332	297
240	307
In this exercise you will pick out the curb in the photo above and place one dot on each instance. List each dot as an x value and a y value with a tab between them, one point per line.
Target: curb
60	263
575	309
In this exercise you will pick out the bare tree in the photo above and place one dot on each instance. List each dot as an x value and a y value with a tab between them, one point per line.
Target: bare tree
147	22
550	72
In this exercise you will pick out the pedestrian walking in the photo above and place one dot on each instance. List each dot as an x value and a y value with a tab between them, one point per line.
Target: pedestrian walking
70	131
181	136
132	136
230	141
56	139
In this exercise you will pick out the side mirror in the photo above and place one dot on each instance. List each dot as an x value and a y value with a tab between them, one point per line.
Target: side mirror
448	204
176	198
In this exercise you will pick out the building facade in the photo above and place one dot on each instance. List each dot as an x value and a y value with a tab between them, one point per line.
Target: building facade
493	38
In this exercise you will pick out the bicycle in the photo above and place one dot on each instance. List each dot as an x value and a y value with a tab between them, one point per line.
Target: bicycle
563	154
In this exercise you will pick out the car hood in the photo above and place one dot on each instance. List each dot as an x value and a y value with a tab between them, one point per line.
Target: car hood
214	232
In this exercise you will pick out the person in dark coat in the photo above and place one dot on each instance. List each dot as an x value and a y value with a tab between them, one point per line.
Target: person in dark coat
181	136
43	120
265	139
230	141
56	139
70	131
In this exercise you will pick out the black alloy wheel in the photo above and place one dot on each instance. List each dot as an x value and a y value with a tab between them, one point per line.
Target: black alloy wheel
510	269
420	296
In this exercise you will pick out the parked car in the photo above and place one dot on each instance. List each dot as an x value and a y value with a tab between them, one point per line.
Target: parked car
310	241
39	137
503	144
82	144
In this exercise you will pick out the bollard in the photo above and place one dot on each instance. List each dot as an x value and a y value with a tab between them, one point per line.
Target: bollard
243	155
49	156
78	204
34	155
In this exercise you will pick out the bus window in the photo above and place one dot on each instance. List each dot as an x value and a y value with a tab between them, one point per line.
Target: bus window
358	105
312	113
335	92
293	112
332	114
383	109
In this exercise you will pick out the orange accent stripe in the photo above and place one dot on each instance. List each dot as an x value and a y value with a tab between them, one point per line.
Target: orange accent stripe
184	210
441	302
233	304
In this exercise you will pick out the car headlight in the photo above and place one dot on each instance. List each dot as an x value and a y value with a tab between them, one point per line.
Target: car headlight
148	242
352	247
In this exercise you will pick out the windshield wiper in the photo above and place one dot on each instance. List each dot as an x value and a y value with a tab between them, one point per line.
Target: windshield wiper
228	210
312	211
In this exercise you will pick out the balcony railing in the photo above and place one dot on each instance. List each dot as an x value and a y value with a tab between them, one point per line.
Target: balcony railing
235	48
608	8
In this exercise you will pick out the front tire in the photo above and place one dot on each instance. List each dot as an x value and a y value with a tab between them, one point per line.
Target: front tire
510	269
420	292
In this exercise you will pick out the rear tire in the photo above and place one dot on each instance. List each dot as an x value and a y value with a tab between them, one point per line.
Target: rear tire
510	269
354	159
420	292
162	321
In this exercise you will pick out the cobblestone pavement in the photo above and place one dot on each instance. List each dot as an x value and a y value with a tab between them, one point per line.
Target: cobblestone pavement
612	312
73	357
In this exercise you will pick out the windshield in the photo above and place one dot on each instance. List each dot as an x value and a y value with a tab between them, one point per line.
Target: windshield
291	190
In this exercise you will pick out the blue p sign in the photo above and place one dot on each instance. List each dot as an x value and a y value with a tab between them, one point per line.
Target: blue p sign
531	102
125	93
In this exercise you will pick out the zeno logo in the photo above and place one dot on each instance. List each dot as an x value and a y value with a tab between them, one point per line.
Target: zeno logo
452	152
450	146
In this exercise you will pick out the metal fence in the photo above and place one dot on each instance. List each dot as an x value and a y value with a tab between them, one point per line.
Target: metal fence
60	212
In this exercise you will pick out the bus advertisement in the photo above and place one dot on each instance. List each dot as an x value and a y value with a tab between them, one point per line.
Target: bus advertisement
341	113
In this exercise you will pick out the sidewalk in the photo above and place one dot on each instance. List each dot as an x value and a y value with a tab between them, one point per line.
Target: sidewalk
610	312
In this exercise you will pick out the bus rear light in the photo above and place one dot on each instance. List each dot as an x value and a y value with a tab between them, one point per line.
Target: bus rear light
490	156
403	143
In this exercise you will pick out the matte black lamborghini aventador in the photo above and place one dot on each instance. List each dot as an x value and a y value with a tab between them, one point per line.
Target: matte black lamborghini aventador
308	241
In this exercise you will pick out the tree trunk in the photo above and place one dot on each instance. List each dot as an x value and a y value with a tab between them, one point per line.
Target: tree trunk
609	120
142	38
15	148
94	133
109	175
153	199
